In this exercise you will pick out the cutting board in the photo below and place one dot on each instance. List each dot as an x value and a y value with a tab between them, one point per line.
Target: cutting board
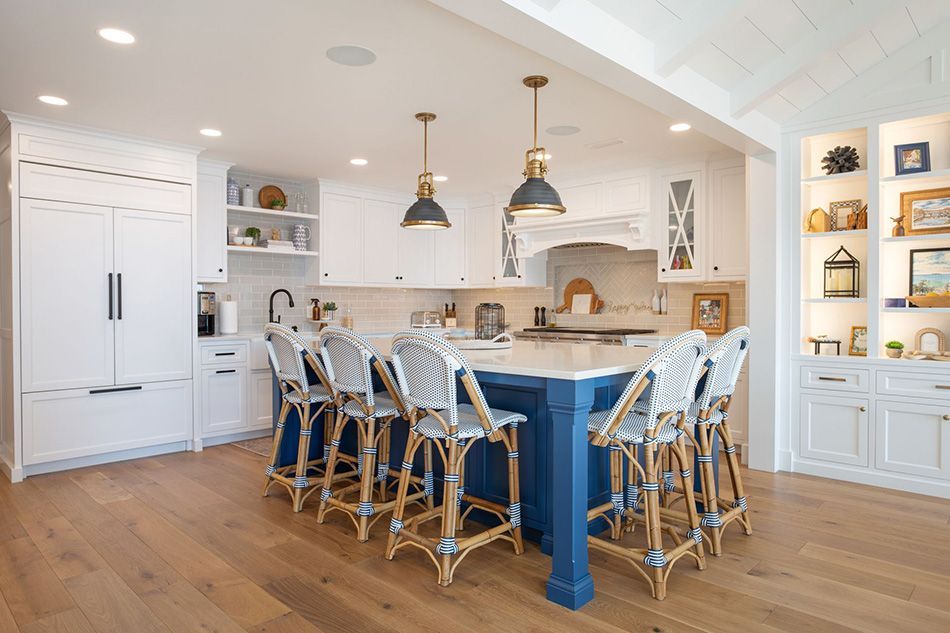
579	286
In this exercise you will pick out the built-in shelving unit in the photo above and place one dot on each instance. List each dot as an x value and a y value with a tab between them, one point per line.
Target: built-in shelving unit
293	215
835	234
273	251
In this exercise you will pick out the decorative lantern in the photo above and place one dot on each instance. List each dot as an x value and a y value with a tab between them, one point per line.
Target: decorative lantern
842	275
489	320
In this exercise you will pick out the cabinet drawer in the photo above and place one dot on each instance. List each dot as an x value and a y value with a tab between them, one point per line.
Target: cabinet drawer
902	383
61	425
835	378
224	354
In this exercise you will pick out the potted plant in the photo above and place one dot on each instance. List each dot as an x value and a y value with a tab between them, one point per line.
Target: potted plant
278	204
329	310
894	349
254	235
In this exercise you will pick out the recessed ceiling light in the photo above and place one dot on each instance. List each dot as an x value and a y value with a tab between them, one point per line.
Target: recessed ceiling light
116	36
680	127
209	131
440	178
50	100
563	130
351	55
358	161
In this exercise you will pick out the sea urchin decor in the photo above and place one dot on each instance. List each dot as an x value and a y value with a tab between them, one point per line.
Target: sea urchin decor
840	160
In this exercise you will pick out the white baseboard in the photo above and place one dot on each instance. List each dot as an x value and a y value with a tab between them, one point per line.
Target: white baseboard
907	483
235	437
104	458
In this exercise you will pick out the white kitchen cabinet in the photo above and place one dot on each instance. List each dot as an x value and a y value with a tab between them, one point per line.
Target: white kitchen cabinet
380	235
261	409
480	240
681	226
834	429
67	303
211	226
341	239
154	317
223	400
727	247
512	268
450	251
415	255
913	438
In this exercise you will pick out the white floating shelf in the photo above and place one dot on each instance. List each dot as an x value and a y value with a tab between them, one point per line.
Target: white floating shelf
917	310
272	251
836	300
918	238
857	233
851	175
293	215
937	174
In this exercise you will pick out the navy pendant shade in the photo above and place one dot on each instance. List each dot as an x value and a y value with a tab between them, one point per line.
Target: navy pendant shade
425	213
535	196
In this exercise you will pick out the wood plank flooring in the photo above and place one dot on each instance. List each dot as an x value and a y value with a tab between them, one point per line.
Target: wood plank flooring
185	543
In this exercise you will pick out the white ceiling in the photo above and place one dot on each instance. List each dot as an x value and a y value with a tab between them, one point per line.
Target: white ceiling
258	72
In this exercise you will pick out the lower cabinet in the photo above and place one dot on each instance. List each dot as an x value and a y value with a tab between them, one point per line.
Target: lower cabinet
262	399
223	400
913	438
75	423
834	429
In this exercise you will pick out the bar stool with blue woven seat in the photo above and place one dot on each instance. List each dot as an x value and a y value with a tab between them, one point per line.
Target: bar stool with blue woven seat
427	367
288	352
350	361
671	374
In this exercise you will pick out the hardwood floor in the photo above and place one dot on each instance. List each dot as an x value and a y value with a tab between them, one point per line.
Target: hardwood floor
185	543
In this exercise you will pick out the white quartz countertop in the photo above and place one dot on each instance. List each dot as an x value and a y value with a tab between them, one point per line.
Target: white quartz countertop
550	360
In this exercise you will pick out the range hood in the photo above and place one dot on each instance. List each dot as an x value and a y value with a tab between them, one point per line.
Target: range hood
628	230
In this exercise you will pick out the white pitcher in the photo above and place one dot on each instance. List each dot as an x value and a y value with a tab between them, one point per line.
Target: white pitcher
300	236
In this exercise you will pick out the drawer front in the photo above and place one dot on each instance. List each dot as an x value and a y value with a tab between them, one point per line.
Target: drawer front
45	182
913	384
224	354
81	422
854	380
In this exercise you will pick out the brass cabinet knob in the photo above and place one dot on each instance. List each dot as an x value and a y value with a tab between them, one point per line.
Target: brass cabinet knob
946	417
862	408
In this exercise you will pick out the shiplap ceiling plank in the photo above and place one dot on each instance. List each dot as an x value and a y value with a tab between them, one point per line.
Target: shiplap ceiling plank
831	72
862	53
746	44
718	67
926	14
894	29
679	44
778	108
803	92
646	17
818	11
781	21
847	23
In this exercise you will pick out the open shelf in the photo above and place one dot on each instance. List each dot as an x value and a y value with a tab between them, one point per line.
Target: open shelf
917	310
836	300
850	175
918	178
918	238
272	251
835	234
293	215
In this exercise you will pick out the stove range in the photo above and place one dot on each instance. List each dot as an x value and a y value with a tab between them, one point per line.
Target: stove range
589	335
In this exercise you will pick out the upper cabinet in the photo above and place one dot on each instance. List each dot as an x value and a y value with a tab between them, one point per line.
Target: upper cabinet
480	240
512	268
212	222
682	216
341	239
450	267
728	245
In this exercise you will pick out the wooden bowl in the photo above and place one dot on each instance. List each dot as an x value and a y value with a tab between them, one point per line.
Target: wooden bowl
268	194
939	301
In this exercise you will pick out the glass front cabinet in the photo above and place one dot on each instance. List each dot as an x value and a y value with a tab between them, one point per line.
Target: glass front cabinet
682	200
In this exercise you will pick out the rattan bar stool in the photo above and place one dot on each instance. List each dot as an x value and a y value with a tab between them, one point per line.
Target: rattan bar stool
426	367
671	374
709	415
350	360
288	352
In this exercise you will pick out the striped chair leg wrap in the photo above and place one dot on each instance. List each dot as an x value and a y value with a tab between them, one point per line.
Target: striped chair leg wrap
325	494
633	493
359	464
270	470
514	513
306	432
335	443
616	498
365	509
655	558
326	452
696	534
301	481
686	474
704	458
447	546
730	449
451	478
458	495
741	503
650	486
668	484
281	425
513	425
711	519
395	525
513	455
382	471
428	483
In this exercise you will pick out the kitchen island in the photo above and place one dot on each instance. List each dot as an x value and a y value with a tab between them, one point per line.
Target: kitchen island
555	385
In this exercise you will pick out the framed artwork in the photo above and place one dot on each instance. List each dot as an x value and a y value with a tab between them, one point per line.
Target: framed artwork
709	312
911	158
858	342
926	211
929	271
840	211
930	340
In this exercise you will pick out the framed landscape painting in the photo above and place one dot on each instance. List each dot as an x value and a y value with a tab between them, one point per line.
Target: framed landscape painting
709	312
929	271
926	211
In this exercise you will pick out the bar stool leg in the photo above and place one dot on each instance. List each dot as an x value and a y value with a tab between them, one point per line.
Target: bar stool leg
514	490
632	492
367	480
733	461
275	448
382	467
447	547
615	454
402	491
655	558
341	420
711	518
428	478
679	448
301	483
460	522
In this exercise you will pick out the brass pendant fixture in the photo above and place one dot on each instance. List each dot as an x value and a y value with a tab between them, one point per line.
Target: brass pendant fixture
535	197
425	213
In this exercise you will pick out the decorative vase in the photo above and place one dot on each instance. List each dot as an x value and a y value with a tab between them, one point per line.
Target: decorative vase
893	353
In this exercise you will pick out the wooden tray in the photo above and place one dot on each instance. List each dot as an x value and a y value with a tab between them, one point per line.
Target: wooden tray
940	301
268	194
579	286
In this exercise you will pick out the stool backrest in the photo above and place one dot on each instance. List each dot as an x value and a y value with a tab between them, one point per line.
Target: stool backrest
671	373
286	356
723	364
426	367
350	360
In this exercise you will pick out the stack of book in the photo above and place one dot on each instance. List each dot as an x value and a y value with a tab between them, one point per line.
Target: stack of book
278	245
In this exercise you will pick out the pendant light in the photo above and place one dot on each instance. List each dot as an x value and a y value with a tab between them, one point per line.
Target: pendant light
535	198
425	213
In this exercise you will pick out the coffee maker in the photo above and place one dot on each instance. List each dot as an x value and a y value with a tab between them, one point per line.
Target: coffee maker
206	312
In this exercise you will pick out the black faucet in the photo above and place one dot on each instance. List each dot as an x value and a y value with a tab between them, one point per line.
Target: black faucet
270	311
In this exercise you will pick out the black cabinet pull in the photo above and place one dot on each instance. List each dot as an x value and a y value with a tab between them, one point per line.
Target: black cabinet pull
118	283
326	274
225	371
715	267
93	392
110	296
220	270
463	278
225	353
662	270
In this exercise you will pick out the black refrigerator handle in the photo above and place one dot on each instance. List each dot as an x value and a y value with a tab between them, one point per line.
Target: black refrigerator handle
110	296
118	278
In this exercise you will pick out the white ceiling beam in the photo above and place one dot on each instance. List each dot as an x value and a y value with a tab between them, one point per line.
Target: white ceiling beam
678	44
843	26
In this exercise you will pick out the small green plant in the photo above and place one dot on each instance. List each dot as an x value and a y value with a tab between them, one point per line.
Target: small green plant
278	203
329	306
894	345
252	231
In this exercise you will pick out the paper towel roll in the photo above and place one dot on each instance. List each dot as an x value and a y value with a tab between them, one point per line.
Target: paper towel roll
227	313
